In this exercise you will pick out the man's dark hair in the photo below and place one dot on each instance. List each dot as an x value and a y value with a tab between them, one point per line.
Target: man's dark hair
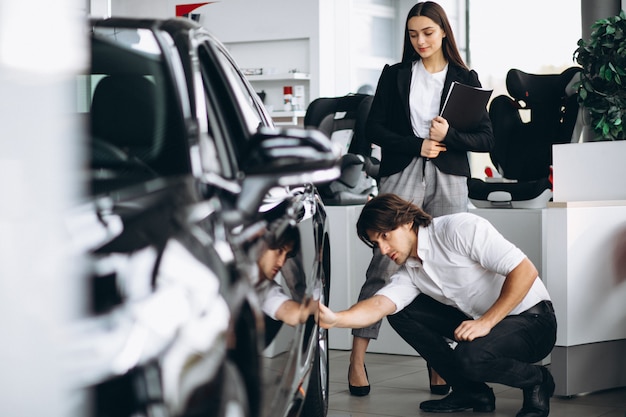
289	237
387	212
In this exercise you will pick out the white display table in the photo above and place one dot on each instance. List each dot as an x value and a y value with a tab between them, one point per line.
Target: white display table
586	266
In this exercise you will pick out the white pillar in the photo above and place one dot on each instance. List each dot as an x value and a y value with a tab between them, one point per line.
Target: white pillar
42	46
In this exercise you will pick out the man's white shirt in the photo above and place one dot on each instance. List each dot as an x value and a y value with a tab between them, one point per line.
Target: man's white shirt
465	261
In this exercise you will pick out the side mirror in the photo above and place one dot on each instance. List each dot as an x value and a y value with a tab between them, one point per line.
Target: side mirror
286	157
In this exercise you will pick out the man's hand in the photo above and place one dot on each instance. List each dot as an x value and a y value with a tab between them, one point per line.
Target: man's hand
327	318
438	129
431	148
471	329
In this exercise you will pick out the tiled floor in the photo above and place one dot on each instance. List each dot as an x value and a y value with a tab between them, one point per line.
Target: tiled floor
400	383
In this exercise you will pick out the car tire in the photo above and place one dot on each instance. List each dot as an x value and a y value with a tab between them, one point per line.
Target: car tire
316	400
234	396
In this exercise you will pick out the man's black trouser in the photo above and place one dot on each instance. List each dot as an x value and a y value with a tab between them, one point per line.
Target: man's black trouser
505	356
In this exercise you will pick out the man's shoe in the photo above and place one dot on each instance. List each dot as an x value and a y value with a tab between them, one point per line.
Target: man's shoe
483	402
537	397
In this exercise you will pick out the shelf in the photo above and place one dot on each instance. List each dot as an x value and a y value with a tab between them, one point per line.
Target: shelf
291	115
295	113
279	77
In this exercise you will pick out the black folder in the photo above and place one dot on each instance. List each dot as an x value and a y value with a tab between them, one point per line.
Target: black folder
465	105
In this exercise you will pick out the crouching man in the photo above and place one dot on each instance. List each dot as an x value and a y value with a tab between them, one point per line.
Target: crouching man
460	280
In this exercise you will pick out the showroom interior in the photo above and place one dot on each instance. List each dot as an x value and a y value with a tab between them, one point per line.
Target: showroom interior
319	48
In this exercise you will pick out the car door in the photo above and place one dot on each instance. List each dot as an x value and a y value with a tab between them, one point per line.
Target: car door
307	276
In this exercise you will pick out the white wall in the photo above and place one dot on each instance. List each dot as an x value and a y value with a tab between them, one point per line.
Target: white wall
143	8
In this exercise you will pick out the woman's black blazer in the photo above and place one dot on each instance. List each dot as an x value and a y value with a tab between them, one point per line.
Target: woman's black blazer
389	124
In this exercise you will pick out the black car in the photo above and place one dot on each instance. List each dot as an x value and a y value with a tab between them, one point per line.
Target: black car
185	179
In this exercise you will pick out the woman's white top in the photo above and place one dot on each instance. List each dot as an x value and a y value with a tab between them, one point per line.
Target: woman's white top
425	97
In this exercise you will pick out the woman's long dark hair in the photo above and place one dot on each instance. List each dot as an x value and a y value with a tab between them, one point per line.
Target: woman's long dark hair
434	12
387	212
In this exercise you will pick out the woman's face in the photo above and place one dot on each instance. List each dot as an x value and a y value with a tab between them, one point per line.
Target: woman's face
426	36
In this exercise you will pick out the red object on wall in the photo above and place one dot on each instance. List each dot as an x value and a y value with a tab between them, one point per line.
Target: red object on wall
184	9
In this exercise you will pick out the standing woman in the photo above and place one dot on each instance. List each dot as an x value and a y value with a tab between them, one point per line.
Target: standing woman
424	159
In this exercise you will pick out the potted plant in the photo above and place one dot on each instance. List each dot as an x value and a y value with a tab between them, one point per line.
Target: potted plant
602	88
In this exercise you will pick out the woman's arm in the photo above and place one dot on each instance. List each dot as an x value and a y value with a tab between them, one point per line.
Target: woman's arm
387	125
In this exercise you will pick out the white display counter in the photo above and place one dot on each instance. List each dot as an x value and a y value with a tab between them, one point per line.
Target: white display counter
586	263
586	266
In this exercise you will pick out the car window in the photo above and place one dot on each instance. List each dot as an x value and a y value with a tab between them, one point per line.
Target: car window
129	103
246	101
223	119
240	110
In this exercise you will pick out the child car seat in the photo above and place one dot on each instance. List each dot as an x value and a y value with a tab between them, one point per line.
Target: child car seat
343	119
523	145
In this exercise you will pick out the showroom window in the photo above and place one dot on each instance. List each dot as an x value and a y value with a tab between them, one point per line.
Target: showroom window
374	40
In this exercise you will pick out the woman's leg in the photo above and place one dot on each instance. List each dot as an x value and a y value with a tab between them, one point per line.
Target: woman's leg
378	272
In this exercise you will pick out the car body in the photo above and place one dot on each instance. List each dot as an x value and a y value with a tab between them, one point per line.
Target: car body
186	179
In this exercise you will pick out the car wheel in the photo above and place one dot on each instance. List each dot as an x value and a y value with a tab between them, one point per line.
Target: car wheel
316	400
226	396
234	395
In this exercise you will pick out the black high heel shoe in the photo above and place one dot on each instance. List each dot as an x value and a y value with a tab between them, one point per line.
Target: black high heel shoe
359	391
436	389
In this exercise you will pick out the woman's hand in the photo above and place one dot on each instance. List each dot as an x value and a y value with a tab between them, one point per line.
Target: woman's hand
431	148
438	129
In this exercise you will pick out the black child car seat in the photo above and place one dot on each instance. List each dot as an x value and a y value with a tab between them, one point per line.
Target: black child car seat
541	111
343	119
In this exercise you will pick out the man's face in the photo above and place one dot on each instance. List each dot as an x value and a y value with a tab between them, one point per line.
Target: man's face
272	261
398	244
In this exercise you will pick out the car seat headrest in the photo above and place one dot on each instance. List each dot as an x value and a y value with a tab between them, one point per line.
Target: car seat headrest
123	111
539	89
